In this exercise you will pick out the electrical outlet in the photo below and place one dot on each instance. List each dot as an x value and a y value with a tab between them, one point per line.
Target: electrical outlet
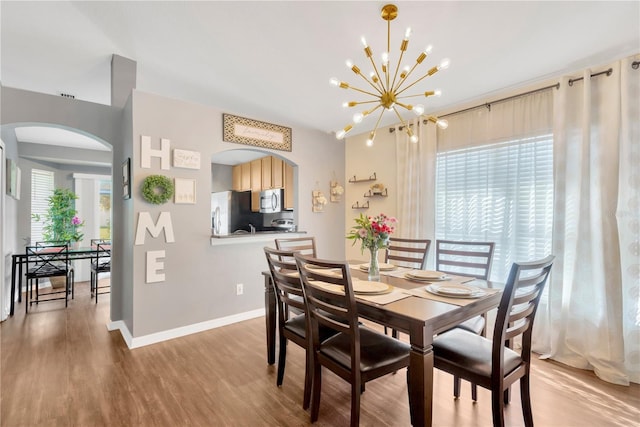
239	289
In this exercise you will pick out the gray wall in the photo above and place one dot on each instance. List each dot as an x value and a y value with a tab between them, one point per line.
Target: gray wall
200	279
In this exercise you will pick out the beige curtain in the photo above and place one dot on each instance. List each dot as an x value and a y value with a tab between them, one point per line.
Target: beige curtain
591	318
416	166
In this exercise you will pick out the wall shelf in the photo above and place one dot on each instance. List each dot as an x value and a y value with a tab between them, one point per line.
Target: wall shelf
371	178
372	194
357	205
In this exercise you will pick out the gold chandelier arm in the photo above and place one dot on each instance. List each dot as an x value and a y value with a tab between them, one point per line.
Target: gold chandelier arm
431	72
354	103
405	106
370	82
404	79
363	91
395	76
379	118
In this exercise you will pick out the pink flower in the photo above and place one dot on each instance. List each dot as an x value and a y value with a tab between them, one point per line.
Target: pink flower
76	220
362	233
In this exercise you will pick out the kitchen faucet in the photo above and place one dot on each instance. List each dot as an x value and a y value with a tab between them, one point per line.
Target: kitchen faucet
252	229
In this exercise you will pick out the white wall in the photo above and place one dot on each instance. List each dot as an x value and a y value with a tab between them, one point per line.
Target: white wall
200	280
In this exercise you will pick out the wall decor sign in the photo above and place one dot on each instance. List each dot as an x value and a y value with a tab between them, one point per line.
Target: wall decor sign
185	191
126	179
186	159
252	132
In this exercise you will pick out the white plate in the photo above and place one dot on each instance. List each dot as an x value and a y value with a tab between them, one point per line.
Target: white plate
383	266
367	287
426	275
455	291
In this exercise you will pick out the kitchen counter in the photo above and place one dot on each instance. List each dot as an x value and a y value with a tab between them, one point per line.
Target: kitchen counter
259	236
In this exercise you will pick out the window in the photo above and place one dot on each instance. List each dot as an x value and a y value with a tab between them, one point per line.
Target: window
41	190
500	192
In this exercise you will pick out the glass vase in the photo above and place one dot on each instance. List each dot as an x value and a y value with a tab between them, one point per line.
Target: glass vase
374	268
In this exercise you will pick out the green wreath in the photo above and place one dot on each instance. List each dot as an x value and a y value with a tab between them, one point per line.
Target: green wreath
157	189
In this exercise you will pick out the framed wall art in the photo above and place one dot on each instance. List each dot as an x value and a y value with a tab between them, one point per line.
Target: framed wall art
252	132
185	191
126	179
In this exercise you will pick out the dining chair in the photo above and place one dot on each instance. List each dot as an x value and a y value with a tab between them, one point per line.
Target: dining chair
100	263
304	245
490	363
408	252
470	259
291	327
48	260
356	354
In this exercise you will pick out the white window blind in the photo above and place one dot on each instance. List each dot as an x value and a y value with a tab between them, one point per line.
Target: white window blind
41	190
502	193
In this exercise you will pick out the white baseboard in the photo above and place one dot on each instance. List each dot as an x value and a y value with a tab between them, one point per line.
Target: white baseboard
135	342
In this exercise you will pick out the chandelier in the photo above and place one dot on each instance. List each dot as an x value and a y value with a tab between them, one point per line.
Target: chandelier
388	85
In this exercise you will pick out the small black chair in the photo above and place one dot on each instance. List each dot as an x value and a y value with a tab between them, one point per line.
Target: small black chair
356	354
100	263
491	363
48	260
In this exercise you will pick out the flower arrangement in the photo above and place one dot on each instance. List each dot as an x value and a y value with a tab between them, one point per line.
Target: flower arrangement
61	222
373	232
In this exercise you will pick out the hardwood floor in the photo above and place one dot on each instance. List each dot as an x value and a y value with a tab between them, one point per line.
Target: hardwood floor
61	367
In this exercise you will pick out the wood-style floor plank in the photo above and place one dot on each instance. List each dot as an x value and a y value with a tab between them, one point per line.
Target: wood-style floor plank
61	367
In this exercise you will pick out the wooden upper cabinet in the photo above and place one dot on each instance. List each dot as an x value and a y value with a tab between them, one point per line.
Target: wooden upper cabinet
288	186
256	175
266	173
277	173
241	177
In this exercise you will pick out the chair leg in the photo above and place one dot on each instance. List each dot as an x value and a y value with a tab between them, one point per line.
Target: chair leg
308	378
66	291
525	397
474	392
456	386
394	333
497	408
317	387
282	359
355	403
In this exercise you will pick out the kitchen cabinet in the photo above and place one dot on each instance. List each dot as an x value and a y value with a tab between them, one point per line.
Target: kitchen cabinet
256	184
272	174
288	186
241	177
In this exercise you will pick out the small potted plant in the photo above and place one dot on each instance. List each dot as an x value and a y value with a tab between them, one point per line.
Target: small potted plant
61	222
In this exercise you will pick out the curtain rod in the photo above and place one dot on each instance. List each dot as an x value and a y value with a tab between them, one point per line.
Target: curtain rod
486	104
634	65
607	72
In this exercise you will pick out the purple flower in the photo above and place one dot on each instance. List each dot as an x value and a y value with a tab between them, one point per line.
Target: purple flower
76	220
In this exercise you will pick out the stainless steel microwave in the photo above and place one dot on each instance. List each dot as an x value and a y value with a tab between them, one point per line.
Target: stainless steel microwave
271	201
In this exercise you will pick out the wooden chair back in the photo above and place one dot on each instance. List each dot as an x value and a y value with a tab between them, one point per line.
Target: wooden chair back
409	252
328	293
286	282
518	307
304	245
471	259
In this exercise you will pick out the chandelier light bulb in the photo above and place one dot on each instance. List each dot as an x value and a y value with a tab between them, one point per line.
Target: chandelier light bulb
413	139
407	33
444	64
340	134
428	49
364	41
385	58
418	109
442	124
349	63
437	93
372	136
357	117
345	104
334	81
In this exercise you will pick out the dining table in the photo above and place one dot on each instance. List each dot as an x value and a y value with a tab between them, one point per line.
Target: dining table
20	259
411	309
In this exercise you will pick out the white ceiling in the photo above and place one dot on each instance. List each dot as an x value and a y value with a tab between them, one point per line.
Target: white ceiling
272	60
